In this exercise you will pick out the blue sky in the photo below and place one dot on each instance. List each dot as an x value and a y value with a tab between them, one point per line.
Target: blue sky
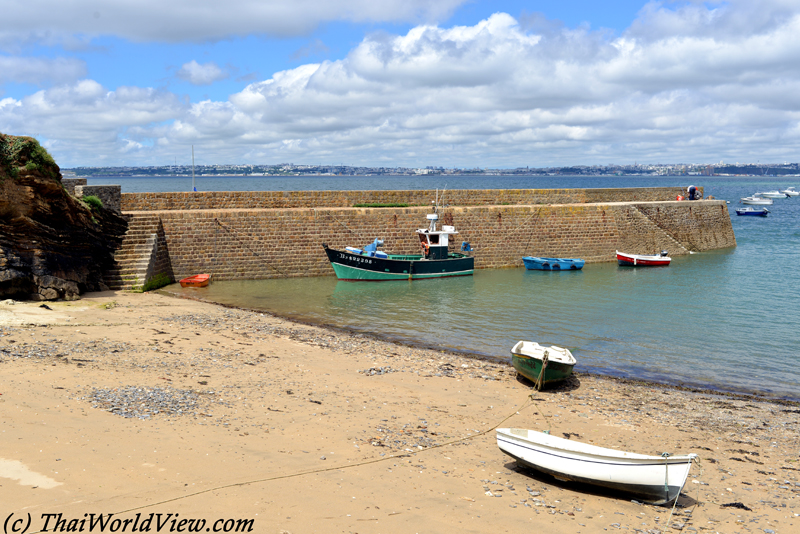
402	82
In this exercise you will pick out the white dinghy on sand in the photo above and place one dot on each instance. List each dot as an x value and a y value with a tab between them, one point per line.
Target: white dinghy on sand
651	479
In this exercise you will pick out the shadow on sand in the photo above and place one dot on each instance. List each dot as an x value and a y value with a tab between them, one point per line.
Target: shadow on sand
589	489
570	384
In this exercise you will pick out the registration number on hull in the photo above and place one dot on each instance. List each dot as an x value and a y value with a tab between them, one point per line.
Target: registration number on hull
357	259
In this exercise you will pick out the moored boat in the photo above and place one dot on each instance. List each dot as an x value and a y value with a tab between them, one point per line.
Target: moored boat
198	280
771	194
757	201
436	261
643	260
651	479
544	366
790	192
763	212
552	264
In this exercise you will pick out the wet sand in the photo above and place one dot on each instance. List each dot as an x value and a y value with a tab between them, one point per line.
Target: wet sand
144	404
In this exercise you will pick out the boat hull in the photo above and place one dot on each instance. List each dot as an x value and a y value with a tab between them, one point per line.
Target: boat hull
651	479
757	201
527	358
357	267
763	212
531	368
637	260
552	264
198	280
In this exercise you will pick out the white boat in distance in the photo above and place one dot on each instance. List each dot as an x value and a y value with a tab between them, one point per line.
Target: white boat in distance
790	192
771	194
757	201
652	479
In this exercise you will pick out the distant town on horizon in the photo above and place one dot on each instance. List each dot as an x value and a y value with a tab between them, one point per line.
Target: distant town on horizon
290	169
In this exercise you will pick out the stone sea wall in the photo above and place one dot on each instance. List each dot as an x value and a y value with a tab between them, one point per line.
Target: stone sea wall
269	243
108	194
70	183
347	199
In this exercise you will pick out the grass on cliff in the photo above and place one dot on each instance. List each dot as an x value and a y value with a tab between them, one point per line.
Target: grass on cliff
24	152
93	202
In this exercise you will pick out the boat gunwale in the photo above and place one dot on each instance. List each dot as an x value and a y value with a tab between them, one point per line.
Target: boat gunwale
589	450
552	259
566	357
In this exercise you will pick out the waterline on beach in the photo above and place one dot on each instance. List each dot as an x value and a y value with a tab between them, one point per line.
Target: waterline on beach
623	322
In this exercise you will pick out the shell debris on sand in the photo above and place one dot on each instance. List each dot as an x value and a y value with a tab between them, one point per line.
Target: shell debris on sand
143	402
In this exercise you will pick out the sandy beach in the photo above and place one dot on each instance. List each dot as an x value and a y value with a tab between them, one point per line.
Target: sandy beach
140	404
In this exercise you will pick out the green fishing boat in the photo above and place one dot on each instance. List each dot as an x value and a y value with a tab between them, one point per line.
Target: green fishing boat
435	261
544	366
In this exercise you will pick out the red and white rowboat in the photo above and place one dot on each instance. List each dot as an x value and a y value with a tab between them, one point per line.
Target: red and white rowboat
640	260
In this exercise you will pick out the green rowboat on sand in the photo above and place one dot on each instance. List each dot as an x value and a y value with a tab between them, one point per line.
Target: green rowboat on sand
529	359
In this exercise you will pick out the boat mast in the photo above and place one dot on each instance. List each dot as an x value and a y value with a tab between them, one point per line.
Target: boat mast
435	215
193	187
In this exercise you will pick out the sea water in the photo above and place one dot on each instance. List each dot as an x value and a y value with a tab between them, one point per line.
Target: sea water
725	319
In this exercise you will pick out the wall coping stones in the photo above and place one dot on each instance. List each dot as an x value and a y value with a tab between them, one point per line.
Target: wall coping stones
228	211
415	198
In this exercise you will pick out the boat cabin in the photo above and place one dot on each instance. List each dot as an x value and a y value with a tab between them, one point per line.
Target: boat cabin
435	243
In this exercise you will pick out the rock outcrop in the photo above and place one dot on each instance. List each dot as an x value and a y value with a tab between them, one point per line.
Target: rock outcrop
52	245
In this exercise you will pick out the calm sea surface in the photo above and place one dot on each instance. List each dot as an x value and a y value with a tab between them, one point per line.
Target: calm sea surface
726	320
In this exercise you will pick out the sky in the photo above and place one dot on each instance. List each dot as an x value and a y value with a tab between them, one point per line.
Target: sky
413	83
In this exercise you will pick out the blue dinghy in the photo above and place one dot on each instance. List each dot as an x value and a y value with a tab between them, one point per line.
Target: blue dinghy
552	264
763	212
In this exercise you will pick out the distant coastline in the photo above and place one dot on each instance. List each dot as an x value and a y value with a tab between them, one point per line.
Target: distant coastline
290	169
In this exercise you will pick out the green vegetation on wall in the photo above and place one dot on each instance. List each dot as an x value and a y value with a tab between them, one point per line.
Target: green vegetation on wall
380	205
94	202
155	282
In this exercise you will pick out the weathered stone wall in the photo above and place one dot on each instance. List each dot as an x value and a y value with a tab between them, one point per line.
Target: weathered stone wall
70	183
269	243
693	224
109	194
347	199
162	263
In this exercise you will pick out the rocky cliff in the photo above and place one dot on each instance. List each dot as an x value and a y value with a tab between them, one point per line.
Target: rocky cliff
52	245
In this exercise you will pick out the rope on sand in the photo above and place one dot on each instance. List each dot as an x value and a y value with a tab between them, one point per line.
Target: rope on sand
358	464
697	461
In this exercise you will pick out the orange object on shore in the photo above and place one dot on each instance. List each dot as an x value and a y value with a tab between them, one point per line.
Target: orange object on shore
198	280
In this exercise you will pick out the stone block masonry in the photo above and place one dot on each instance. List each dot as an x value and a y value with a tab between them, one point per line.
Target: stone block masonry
347	199
70	183
109	194
270	243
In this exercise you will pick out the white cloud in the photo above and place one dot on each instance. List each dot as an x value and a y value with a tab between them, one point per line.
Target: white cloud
489	94
199	20
37	71
205	74
85	122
